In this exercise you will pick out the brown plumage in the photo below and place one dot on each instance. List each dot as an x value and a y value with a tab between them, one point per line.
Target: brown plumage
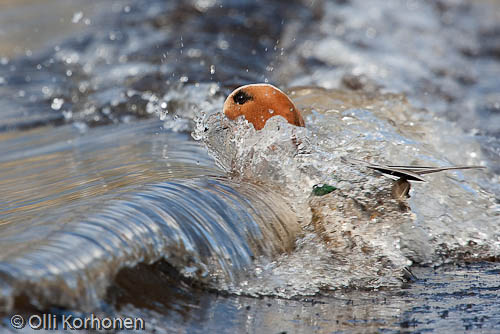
259	102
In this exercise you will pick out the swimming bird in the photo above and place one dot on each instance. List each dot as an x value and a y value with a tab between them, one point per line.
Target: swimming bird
259	102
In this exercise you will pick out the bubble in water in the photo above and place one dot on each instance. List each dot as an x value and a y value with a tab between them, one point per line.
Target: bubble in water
212	69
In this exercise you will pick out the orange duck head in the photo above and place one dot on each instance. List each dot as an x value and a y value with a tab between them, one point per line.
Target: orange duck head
259	102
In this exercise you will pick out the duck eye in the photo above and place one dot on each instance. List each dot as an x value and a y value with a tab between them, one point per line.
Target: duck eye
241	97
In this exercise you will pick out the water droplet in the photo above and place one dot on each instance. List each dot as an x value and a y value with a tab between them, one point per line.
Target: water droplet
67	114
371	32
81	127
223	44
57	103
77	17
82	87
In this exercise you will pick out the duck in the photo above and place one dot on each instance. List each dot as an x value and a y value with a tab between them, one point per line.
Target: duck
257	103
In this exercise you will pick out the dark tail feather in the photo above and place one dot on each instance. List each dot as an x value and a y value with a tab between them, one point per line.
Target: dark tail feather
411	173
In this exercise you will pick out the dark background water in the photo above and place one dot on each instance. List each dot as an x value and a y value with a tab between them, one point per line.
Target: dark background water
113	62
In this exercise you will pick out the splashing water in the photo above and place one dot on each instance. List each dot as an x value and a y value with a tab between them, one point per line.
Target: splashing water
141	59
151	195
362	237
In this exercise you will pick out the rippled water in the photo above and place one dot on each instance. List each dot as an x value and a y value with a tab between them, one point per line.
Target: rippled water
113	203
104	211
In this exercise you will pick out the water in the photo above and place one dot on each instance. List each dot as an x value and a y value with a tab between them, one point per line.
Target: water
112	208
448	299
449	218
131	198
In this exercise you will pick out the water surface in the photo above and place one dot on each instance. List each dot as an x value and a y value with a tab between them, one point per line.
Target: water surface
110	207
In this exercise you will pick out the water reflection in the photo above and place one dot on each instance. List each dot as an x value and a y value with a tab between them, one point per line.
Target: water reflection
416	308
63	167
